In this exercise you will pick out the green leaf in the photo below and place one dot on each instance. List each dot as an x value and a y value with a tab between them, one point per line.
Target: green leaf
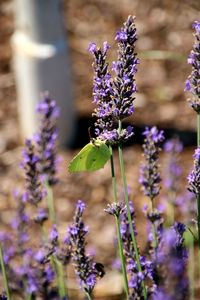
91	158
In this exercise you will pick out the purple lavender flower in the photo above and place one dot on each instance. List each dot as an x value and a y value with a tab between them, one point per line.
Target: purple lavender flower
85	268
192	84
21	222
194	176
150	177
172	264
114	97
34	193
41	216
115	209
173	147
47	137
125	68
38	274
53	237
105	125
136	277
173	169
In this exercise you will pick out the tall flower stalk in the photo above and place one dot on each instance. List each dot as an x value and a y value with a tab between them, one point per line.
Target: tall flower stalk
114	101
3	269
173	172
86	269
150	177
124	88
46	141
193	86
105	129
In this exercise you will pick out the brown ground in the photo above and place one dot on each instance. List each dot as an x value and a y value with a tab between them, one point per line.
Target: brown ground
162	25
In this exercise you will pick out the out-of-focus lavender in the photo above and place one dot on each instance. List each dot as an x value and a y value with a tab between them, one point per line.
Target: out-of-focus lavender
171	262
192	84
154	217
46	139
85	267
21	222
173	170
135	276
194	176
33	193
150	176
38	273
114	96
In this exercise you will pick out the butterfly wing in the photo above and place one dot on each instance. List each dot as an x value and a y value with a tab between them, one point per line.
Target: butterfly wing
92	157
78	163
98	156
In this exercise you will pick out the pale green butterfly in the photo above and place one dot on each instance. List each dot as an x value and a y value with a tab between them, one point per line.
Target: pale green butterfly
92	157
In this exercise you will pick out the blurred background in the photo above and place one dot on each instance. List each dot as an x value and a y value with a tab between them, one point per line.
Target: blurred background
164	42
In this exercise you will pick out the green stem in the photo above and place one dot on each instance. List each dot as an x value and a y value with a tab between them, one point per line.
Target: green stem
191	269
119	238
5	280
59	277
198	196
114	185
58	266
133	237
88	296
198	224
50	202
122	258
154	228
198	130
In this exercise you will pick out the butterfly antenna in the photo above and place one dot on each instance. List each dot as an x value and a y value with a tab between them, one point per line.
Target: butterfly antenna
90	136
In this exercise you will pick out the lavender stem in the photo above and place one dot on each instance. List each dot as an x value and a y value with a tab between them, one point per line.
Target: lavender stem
191	269
154	228
60	277
4	274
198	129
88	296
119	238
50	202
198	196
129	212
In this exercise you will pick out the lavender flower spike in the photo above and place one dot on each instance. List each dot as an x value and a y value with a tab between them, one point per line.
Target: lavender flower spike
172	265
104	126
136	277
114	97
150	176
125	68
192	84
84	265
46	139
194	176
33	192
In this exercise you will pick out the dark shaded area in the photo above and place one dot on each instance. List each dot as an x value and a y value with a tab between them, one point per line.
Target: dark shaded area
85	126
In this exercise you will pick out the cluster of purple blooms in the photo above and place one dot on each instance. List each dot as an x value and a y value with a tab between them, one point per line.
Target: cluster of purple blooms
114	96
46	139
192	85
86	268
194	176
164	266
171	261
150	177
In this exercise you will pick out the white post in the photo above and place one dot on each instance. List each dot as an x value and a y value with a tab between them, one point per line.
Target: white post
41	63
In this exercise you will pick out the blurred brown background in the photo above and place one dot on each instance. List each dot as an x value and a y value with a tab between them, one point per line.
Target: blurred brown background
162	25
